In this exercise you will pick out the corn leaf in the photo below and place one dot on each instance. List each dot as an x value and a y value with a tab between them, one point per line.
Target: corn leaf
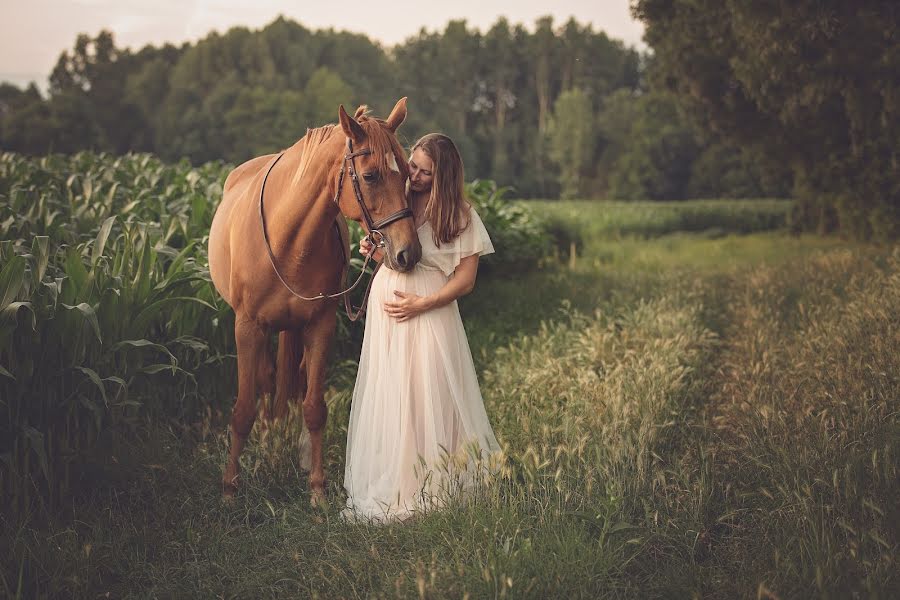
87	311
100	242
11	279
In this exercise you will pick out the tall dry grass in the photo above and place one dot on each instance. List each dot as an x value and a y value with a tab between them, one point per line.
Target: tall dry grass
806	413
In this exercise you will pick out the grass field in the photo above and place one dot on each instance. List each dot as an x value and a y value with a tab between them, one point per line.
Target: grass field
685	411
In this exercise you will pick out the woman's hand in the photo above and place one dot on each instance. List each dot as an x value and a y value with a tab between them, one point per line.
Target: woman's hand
365	247
461	282
407	306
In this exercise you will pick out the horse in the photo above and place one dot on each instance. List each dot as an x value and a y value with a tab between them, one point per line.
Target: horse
298	241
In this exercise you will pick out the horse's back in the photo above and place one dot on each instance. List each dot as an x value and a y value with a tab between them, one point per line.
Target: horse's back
238	186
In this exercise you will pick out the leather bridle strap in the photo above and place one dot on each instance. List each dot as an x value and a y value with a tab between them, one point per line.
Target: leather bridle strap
348	307
262	221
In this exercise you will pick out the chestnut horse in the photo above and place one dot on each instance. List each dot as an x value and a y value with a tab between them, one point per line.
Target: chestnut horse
262	244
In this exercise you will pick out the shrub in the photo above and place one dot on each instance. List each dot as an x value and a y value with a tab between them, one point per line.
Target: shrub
518	235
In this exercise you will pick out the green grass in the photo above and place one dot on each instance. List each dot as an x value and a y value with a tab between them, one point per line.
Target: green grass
650	219
503	308
687	415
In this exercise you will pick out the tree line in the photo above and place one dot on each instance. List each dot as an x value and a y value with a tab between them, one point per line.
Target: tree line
553	110
735	100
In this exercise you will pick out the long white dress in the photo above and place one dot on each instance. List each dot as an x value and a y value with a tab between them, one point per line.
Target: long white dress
418	429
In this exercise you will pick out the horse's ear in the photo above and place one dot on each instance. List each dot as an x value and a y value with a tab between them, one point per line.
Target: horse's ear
352	129
398	115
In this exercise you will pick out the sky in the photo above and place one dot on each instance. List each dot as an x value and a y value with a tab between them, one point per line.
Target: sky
33	33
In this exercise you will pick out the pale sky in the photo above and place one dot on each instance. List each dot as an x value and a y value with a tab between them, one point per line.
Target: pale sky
33	33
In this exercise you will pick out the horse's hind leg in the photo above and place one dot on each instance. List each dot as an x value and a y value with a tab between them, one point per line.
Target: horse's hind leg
317	338
291	385
305	461
265	382
250	341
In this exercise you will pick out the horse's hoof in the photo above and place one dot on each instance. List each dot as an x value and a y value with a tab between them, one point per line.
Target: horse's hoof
229	489
317	499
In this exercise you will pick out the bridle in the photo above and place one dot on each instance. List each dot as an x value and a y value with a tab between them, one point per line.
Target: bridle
374	230
373	227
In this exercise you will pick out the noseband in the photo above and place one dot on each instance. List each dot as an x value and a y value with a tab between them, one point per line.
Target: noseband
372	227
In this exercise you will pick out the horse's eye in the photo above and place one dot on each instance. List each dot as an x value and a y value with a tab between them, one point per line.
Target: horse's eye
370	177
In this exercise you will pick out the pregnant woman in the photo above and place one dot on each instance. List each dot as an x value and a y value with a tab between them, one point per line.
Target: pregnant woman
418	429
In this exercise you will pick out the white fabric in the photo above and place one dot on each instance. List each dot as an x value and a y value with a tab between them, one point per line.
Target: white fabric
418	428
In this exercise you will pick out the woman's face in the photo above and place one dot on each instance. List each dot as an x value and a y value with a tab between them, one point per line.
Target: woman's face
421	172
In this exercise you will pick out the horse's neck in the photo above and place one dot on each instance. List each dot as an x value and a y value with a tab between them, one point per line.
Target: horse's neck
305	212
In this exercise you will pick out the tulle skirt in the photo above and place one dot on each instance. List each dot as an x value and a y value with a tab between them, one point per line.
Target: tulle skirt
418	431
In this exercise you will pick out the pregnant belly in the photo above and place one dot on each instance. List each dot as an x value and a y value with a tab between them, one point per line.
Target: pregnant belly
419	281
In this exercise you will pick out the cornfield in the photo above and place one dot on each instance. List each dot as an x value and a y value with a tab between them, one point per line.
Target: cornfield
108	311
107	306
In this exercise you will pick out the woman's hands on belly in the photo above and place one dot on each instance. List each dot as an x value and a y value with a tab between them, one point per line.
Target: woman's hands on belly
406	305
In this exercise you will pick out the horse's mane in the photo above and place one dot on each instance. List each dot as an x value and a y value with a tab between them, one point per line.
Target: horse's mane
378	139
310	143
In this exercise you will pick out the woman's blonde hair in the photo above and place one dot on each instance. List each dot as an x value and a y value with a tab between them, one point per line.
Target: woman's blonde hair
447	209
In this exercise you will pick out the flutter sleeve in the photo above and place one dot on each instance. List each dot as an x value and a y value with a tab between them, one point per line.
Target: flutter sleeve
474	239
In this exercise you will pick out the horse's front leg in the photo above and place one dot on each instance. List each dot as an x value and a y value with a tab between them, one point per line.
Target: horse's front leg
316	340
250	341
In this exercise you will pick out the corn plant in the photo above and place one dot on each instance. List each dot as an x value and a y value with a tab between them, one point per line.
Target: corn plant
108	308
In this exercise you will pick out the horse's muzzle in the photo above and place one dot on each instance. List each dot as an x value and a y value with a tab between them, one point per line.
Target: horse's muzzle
405	258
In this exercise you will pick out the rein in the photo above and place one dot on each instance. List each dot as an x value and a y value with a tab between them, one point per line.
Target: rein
373	231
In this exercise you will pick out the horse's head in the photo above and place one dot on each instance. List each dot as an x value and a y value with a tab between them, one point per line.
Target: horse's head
380	165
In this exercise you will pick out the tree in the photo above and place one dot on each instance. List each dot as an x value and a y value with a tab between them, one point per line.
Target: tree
572	132
726	170
96	73
543	49
500	66
25	120
243	92
650	149
324	91
812	84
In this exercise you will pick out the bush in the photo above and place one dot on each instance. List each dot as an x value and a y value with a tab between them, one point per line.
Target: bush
519	236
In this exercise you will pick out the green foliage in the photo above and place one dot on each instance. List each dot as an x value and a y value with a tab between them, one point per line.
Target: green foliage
243	93
107	305
804	83
656	148
516	231
770	116
729	171
325	90
284	111
572	133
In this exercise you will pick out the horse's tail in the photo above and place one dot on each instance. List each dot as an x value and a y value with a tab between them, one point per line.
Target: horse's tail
290	382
